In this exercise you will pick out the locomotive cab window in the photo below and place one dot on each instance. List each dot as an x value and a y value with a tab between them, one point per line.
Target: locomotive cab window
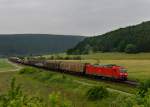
123	70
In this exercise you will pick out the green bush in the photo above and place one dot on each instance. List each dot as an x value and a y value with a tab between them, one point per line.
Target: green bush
77	58
124	101
143	88
15	98
57	101
28	70
130	48
97	93
43	76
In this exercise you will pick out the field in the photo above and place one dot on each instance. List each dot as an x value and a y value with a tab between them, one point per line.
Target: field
109	56
44	83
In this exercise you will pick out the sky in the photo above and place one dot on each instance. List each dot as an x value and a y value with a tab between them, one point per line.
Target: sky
76	17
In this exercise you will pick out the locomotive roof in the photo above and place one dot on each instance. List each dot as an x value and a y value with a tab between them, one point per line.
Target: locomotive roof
105	65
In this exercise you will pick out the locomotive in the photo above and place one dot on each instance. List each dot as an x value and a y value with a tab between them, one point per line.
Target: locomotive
110	70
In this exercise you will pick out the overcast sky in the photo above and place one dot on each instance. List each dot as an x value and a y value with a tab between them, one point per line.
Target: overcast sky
80	17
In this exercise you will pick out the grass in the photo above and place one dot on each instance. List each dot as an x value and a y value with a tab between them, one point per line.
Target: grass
137	69
6	66
117	56
43	83
110	56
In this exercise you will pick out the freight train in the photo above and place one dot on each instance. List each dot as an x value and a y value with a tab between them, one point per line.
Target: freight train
110	71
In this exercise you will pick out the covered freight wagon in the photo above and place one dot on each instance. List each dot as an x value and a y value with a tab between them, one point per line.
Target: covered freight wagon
53	65
72	67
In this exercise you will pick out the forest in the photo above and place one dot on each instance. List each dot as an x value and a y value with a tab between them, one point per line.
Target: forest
35	44
132	39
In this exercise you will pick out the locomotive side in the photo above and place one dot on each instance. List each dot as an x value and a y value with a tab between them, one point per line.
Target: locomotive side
111	71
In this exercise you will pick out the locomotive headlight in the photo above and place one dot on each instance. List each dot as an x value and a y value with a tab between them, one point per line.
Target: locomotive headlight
125	74
121	73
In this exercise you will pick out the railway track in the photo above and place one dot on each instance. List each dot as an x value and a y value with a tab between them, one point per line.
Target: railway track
95	78
134	83
108	80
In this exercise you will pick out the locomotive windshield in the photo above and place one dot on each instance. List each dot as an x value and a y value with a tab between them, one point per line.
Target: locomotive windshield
123	70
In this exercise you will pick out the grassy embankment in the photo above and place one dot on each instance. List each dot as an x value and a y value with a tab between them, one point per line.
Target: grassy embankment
41	84
5	65
72	88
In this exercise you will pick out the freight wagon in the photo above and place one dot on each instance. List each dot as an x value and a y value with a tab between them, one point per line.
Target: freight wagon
52	65
72	67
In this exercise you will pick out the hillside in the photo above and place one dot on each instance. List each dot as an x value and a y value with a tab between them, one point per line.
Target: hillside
27	44
131	39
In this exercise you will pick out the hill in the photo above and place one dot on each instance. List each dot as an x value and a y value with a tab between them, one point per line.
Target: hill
27	44
131	39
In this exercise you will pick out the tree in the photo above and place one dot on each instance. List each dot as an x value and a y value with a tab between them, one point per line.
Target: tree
130	48
121	46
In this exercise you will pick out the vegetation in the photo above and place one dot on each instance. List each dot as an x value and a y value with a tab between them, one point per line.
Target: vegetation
116	56
104	56
59	57
119	40
144	88
65	95
130	48
97	93
141	99
6	66
57	101
56	88
16	98
35	44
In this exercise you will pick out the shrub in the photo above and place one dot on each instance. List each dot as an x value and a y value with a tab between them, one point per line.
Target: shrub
15	98
43	76
28	70
57	101
130	48
77	58
97	93
67	58
41	58
124	101
143	88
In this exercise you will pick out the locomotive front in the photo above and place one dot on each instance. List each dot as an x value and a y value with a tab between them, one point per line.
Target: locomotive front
123	73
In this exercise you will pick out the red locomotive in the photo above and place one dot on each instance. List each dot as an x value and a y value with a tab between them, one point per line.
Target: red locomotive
111	71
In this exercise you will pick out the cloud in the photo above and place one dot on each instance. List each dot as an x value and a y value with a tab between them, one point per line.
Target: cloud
85	17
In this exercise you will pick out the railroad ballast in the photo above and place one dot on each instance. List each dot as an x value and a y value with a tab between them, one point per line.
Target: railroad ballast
109	70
